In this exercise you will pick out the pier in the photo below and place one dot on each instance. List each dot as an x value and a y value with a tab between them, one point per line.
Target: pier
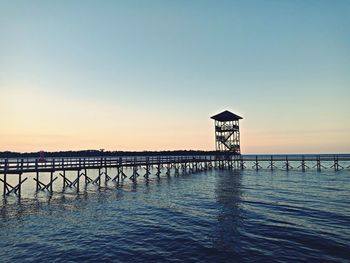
98	170
95	170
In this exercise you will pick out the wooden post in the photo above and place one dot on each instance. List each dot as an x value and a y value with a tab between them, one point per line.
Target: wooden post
147	168
99	176
242	166
106	175
271	163
5	175
256	164
336	164
168	170
303	164
318	165
176	167
64	179
116	178
19	183
86	177
5	181
37	175
51	181
287	164
78	175
158	170
184	167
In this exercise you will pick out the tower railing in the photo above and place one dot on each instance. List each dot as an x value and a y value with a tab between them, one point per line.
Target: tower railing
227	128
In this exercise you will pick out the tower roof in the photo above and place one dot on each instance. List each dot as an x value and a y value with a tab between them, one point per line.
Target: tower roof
226	116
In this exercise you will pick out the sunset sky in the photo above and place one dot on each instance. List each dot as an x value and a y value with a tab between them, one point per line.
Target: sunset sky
147	75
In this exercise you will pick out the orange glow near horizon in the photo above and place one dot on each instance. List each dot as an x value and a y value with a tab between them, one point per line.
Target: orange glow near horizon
249	145
49	124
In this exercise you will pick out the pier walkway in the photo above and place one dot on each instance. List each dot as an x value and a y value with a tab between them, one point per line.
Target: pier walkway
112	167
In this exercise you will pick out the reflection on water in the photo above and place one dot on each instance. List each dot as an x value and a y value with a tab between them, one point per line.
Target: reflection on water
214	216
228	195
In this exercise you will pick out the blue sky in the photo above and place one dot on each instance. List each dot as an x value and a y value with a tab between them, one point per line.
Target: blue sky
147	75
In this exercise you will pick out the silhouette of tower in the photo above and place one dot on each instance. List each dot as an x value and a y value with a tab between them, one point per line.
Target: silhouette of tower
227	137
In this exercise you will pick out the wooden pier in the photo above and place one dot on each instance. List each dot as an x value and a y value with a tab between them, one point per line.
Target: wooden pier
112	168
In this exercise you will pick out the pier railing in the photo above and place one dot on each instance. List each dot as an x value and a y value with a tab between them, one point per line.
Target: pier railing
25	165
53	164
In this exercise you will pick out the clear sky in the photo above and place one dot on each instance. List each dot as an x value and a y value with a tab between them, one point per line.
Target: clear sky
147	75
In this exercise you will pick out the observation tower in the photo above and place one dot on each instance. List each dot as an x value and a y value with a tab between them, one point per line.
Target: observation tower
227	136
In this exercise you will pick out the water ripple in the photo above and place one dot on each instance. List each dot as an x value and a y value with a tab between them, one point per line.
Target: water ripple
215	216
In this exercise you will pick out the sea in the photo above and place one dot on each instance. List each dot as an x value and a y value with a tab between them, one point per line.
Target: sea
207	216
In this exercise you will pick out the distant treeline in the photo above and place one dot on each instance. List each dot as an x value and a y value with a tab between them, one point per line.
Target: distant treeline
97	153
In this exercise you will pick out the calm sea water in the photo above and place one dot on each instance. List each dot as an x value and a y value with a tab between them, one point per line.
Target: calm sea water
214	216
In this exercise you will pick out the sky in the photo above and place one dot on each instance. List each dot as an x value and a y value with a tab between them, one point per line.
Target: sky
147	75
